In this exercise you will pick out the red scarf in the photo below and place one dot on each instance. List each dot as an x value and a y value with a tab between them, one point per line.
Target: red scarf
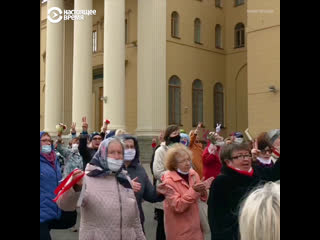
51	157
250	173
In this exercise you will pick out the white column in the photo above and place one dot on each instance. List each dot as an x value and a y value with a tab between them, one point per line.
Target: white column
53	111
152	80
82	67
114	63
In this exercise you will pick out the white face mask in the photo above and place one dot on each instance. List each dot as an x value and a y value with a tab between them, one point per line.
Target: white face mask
238	140
114	165
75	147
129	154
183	173
264	160
46	148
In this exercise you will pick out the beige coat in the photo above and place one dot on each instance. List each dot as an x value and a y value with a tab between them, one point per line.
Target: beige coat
159	168
108	210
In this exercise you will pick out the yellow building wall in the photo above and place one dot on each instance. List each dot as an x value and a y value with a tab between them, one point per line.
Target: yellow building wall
263	65
190	61
186	59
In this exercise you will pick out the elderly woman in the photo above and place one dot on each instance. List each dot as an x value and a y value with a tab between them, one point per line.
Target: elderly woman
182	189
260	213
51	217
108	205
238	177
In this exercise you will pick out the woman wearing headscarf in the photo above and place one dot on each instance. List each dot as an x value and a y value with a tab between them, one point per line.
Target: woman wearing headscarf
51	217
107	202
147	191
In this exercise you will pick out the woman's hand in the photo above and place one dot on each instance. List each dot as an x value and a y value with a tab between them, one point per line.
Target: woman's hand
199	187
136	186
255	151
76	174
84	124
73	128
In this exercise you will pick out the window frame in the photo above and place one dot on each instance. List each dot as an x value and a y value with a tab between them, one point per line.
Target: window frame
238	3
175	21
173	103
196	92
216	93
219	46
197	31
94	41
239	41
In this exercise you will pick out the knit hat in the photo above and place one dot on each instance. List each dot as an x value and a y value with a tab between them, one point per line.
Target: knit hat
273	135
93	134
184	135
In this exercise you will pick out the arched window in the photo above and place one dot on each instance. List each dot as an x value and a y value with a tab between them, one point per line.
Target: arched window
218	104
197	30
174	101
197	103
175	24
239	35
239	2
218	36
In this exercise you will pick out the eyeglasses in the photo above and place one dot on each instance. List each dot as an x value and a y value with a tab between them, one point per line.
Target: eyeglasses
242	156
266	151
46	140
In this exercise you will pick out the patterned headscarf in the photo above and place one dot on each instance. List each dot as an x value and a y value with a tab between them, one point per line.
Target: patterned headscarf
100	159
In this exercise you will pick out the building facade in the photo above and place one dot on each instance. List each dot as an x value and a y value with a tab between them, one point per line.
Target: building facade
146	64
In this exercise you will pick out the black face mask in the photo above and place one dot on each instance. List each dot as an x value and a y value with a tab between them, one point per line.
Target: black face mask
175	139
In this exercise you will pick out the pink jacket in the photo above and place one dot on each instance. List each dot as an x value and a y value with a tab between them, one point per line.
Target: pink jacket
181	212
108	210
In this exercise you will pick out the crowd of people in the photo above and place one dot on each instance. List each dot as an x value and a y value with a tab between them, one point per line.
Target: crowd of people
226	187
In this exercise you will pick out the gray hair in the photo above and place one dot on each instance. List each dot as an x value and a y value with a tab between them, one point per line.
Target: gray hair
259	217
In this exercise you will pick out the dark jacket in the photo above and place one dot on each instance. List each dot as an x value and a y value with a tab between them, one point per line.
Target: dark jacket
86	152
148	192
49	181
226	194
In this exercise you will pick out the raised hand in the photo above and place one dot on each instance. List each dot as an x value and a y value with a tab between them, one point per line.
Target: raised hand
136	186
73	128
255	151
218	128
84	124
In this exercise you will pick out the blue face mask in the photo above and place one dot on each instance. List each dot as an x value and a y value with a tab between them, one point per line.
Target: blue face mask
46	148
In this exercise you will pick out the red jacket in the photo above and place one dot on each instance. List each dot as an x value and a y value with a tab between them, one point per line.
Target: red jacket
211	163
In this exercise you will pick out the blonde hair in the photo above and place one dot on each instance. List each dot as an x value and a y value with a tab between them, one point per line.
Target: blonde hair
176	150
259	217
120	132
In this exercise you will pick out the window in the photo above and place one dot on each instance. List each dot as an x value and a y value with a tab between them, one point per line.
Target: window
218	36
197	103
218	4
126	31
94	41
174	101
239	35
197	30
239	2
218	104
175	24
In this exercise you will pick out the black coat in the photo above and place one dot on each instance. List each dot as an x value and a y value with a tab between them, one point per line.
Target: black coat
226	194
148	192
86	152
